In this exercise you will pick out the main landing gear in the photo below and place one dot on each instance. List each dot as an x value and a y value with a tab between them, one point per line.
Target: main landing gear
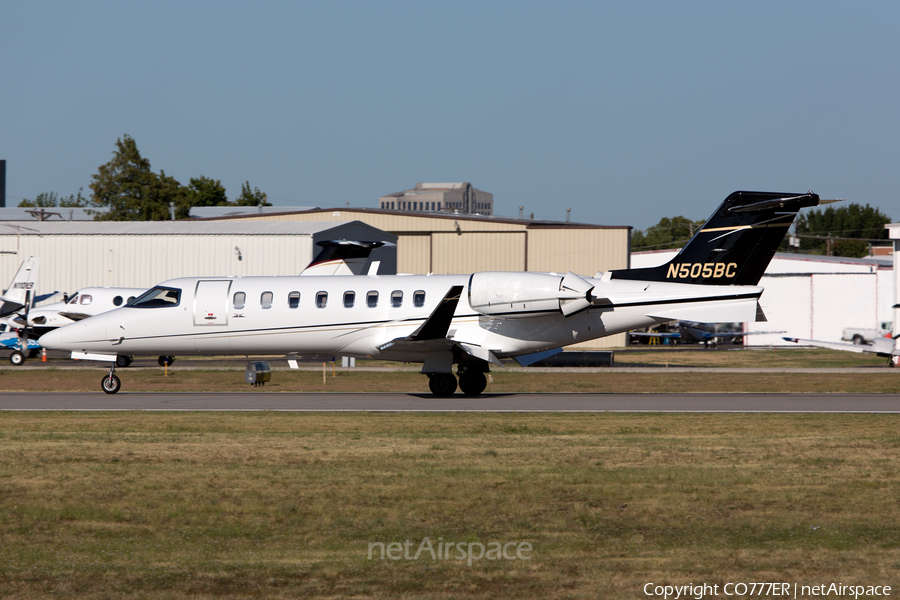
472	380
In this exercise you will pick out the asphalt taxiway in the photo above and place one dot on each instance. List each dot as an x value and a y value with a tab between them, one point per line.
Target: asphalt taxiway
392	402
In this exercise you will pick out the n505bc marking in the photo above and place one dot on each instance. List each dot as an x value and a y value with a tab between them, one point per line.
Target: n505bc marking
705	270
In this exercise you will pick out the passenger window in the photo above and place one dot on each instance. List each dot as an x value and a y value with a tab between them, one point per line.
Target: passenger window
86	299
419	298
372	299
266	299
396	298
117	301
349	299
321	299
73	299
130	298
294	299
239	299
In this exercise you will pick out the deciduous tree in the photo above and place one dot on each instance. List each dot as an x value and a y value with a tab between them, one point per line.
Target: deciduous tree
667	234
132	191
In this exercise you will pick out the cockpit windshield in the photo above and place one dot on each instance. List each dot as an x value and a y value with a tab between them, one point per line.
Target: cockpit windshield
157	297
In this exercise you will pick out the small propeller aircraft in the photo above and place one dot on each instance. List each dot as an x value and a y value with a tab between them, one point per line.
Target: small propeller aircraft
470	320
885	347
15	306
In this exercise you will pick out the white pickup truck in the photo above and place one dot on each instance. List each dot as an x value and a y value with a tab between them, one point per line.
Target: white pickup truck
861	335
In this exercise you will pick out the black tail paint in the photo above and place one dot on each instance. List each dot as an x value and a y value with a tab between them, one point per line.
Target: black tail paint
735	245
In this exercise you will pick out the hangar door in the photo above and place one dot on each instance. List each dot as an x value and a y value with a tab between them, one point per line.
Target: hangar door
470	252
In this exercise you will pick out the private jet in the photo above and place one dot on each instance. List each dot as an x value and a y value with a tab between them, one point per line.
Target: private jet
471	320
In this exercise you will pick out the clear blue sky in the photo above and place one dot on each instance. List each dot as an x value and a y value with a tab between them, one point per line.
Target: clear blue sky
626	112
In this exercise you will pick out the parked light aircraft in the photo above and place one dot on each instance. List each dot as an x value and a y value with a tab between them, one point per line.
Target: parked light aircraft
86	302
471	320
15	304
690	332
884	347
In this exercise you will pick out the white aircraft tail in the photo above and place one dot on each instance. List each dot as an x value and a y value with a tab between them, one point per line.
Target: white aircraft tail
19	292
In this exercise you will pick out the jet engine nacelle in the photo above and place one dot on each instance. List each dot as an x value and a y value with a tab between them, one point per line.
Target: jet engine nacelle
499	293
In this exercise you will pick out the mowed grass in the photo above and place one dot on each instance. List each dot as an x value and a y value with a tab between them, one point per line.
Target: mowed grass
52	380
286	505
738	357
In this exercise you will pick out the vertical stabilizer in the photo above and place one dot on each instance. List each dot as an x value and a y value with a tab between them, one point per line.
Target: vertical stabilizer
735	245
342	257
17	294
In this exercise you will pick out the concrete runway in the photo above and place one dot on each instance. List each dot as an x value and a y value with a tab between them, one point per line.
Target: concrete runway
259	400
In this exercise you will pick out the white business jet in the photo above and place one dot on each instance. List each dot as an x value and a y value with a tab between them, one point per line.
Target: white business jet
336	257
471	320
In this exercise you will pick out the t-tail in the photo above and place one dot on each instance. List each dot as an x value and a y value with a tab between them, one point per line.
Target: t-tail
17	295
735	245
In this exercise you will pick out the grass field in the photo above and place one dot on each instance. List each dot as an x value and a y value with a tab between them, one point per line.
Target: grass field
876	381
284	505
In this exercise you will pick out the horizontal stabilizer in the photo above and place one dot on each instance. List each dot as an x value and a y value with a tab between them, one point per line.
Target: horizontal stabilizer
737	311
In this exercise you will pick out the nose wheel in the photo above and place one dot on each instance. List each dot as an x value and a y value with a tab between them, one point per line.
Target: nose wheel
110	382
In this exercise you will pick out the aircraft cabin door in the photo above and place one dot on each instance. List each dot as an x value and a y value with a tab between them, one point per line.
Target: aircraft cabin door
211	303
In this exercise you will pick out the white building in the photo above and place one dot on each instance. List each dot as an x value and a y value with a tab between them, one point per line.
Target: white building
813	297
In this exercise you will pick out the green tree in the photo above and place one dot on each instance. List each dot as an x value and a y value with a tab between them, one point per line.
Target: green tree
204	191
51	199
43	200
851	221
133	192
251	198
667	234
74	200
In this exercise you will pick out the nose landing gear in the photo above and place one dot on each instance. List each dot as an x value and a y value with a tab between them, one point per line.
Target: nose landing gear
110	383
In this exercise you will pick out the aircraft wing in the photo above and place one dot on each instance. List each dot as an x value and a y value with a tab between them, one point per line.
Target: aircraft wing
433	332
43	297
880	346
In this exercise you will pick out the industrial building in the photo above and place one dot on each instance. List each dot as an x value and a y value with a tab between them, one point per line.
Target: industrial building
458	198
142	254
447	243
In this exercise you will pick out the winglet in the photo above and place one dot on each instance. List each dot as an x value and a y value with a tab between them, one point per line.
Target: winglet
437	324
